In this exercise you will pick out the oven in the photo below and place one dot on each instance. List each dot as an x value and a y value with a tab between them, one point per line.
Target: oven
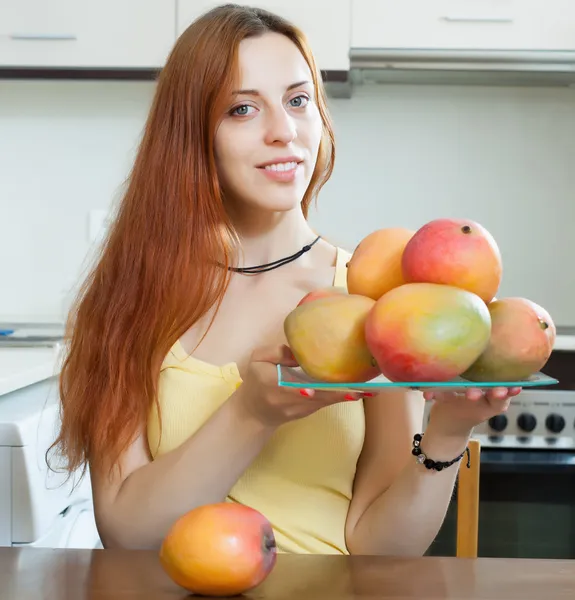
527	476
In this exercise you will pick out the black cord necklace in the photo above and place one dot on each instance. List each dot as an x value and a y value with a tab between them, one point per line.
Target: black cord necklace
276	263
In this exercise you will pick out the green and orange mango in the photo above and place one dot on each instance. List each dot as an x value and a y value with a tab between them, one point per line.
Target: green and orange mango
427	332
522	339
322	293
327	338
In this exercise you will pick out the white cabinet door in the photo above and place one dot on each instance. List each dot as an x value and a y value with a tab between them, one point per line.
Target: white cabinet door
326	24
73	33
464	24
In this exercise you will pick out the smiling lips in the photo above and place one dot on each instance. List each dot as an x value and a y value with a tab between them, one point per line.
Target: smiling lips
284	170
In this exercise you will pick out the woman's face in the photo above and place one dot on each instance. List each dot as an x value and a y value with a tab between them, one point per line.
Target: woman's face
268	139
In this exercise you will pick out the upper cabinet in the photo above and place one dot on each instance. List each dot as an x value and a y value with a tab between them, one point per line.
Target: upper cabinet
535	35
73	34
464	24
326	23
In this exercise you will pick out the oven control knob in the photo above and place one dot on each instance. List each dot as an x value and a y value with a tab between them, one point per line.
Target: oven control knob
526	422
498	422
555	423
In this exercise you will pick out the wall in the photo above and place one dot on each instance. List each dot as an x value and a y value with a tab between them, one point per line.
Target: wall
502	156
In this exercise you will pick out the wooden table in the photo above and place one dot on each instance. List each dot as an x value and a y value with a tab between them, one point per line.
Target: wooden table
47	574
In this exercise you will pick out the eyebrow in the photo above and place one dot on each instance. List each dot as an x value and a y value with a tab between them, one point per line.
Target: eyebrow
256	93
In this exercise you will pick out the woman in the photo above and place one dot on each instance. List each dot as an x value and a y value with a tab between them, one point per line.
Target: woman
169	391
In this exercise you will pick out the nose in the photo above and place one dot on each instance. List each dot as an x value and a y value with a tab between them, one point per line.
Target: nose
280	127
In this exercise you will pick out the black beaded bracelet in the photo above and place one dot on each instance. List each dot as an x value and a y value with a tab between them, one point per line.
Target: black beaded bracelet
434	464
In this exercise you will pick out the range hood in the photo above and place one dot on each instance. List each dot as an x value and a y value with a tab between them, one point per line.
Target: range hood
499	67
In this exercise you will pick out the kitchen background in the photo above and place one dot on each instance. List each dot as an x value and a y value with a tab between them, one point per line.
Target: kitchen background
457	108
504	156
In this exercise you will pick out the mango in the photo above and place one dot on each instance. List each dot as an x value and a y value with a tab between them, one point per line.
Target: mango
457	252
327	338
375	265
221	549
427	332
322	293
522	339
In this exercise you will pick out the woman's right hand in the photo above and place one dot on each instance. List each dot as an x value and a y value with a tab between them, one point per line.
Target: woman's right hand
273	405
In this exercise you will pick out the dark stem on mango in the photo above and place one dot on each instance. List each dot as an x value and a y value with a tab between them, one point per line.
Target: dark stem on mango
543	324
466	229
268	540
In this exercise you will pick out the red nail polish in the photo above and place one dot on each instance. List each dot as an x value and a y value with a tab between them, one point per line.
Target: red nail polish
369	394
305	393
350	397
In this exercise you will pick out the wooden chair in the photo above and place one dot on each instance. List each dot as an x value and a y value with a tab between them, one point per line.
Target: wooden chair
468	503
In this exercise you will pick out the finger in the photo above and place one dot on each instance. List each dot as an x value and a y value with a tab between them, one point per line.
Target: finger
329	398
447	396
277	355
326	398
351	396
439	396
474	394
498	393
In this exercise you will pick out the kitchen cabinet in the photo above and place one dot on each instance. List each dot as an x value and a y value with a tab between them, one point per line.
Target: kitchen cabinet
73	34
326	23
529	25
134	35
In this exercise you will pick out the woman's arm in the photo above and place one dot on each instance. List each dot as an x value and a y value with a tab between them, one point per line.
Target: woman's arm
399	505
136	509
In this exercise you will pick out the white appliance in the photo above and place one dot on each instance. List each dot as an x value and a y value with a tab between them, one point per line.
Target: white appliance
38	507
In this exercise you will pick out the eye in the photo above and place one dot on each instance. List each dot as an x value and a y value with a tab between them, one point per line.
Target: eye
242	110
299	101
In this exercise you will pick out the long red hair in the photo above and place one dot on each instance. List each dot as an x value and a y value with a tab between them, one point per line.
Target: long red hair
157	272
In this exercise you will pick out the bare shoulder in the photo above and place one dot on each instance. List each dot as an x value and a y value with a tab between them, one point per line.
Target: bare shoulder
329	253
324	254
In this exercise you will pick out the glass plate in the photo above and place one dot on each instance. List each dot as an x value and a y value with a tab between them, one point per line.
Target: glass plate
294	377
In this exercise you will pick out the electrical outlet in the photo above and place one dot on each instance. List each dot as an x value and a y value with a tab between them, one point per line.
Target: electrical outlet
97	225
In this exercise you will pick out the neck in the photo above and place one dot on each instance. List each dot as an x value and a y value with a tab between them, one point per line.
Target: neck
268	237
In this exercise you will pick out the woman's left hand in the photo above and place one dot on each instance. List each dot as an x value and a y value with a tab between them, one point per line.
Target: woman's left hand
459	412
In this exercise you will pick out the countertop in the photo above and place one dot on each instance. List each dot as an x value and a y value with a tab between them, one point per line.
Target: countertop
565	338
54	574
20	367
564	342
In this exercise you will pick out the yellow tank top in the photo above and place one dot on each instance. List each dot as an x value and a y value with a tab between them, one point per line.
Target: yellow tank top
302	480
